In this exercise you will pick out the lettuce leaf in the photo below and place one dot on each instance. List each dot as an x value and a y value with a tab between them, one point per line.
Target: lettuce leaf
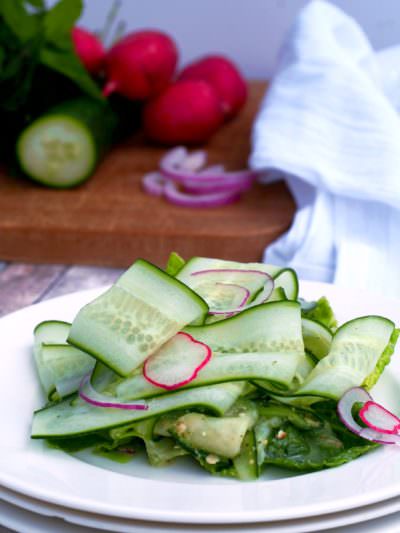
321	311
383	361
308	447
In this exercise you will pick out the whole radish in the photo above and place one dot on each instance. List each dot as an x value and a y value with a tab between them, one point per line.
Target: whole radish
89	49
140	65
223	75
187	112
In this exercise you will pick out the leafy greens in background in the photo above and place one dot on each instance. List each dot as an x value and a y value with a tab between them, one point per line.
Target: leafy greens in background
33	37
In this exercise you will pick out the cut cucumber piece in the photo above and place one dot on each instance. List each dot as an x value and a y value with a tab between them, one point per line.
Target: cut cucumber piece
283	277
67	365
359	347
279	368
62	148
270	327
76	417
144	309
286	278
60	367
209	278
220	436
245	463
317	338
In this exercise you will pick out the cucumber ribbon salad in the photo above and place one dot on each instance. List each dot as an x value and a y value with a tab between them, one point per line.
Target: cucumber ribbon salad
217	360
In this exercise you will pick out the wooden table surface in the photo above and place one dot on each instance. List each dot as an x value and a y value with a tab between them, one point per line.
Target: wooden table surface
23	284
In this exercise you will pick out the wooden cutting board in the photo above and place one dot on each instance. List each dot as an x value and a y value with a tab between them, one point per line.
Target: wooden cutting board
111	221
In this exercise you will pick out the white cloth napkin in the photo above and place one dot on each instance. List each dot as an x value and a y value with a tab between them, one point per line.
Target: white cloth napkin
328	126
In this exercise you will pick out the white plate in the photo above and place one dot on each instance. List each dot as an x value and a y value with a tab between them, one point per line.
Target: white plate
176	493
32	516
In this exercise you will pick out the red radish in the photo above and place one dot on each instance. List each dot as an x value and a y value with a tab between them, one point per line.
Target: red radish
380	419
89	49
187	112
223	75
177	362
381	434
140	65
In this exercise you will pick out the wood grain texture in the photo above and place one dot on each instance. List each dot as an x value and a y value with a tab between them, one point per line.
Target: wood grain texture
24	284
109	221
78	278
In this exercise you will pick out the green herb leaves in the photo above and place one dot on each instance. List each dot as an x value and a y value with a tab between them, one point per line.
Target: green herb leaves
59	20
33	37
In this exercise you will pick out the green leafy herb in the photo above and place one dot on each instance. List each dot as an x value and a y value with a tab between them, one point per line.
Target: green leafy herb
322	312
306	446
60	19
32	37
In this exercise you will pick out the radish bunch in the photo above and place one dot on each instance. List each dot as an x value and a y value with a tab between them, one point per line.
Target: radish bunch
178	109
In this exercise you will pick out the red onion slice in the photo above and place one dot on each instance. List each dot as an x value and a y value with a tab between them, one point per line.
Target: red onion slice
171	168
231	270
91	396
177	362
212	169
194	162
153	183
378	418
175	156
344	408
216	199
244	294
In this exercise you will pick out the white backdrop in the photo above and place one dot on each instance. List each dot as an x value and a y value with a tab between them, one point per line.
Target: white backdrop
249	31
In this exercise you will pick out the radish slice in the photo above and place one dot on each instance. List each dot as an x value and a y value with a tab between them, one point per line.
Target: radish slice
177	362
90	395
345	406
153	183
216	199
380	419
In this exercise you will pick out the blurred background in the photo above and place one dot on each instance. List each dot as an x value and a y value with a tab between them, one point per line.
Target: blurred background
249	31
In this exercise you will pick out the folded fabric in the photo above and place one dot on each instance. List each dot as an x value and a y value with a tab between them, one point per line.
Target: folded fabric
329	128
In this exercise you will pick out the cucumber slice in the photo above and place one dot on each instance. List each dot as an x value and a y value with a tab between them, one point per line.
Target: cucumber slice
62	148
286	278
220	436
67	366
245	463
279	368
76	417
144	308
60	367
270	327
317	338
358	348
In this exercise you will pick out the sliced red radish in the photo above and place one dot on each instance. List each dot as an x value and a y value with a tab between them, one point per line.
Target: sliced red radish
91	396
380	419
177	362
345	406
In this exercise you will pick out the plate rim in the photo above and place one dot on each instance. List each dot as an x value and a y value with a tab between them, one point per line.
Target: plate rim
195	517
